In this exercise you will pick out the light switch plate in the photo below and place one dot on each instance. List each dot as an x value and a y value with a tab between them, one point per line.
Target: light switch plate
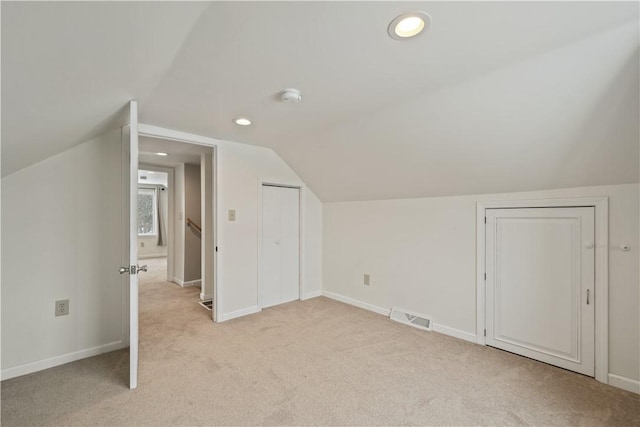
232	214
367	279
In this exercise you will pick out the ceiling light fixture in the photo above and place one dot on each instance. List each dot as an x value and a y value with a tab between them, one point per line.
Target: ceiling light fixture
409	25
161	154
242	121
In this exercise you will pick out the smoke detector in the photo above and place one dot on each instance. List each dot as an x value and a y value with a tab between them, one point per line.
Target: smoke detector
291	95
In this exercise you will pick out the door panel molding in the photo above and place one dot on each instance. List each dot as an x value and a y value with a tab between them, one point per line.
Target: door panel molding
601	294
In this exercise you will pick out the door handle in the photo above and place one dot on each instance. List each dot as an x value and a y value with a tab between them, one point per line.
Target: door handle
587	296
132	270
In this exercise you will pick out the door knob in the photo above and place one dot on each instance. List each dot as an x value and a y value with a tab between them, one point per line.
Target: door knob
142	268
124	270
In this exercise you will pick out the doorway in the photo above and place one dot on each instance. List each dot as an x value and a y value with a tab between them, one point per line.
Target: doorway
188	234
542	281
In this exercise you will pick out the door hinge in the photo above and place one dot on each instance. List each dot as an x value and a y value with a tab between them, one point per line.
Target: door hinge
485	219
485	332
216	249
485	276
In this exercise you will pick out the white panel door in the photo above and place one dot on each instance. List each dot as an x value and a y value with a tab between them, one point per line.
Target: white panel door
280	245
540	285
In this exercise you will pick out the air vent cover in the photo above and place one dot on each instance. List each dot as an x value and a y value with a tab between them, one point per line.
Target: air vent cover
416	320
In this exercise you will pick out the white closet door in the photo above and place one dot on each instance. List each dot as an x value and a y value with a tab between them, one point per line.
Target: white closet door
280	245
540	285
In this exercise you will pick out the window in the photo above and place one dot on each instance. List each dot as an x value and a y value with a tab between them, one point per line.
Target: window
147	212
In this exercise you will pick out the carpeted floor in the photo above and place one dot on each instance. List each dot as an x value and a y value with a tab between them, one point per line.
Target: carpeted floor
305	363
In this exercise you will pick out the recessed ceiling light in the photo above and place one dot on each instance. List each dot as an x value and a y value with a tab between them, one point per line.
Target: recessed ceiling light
409	25
242	121
161	154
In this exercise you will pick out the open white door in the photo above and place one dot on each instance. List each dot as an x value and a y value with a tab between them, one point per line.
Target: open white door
130	187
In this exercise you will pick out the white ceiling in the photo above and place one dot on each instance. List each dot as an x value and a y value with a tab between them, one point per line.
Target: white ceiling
178	152
495	97
70	68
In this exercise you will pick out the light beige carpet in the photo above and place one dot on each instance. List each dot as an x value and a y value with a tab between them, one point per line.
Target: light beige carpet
305	363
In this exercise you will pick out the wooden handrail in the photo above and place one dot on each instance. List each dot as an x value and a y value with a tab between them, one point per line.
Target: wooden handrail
194	225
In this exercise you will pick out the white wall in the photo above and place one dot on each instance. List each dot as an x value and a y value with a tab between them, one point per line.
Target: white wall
179	226
208	247
148	247
65	206
421	253
313	245
192	239
61	221
240	167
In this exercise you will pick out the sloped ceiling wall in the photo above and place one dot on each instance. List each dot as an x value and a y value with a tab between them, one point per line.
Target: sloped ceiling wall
495	97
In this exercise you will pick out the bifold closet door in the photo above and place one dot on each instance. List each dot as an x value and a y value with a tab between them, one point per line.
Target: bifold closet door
280	245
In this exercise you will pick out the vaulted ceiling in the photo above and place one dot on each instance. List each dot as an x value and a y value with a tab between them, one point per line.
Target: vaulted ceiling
495	97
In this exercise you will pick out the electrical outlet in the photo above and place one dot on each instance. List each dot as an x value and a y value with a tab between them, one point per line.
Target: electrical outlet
232	214
367	279
62	307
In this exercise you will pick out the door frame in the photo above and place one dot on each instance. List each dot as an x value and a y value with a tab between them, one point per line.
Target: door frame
169	134
601	294
301	265
170	217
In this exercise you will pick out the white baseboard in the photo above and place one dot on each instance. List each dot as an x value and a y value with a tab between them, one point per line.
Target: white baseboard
624	383
190	283
386	312
239	313
456	333
148	256
356	303
40	365
310	295
196	283
204	297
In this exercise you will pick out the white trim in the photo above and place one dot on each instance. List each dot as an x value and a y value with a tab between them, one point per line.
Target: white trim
624	383
442	329
301	240
62	359
149	256
601	205
204	297
174	135
188	283
456	333
239	313
310	295
384	311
